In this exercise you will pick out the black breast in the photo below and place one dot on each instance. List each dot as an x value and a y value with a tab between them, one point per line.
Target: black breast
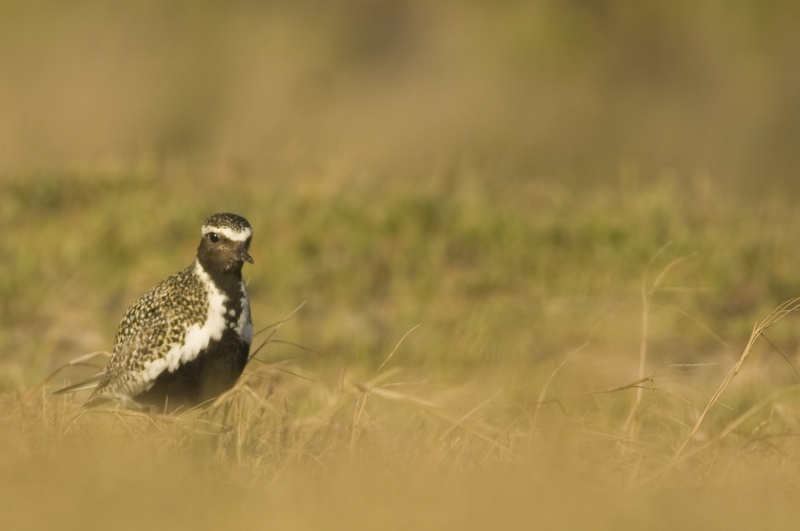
211	373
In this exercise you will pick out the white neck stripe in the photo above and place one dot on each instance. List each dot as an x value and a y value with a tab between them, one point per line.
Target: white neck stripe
231	234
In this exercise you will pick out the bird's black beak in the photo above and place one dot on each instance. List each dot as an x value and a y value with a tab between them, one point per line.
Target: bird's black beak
244	255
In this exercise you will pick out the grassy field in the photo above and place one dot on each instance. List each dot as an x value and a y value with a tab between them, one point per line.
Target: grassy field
507	278
462	355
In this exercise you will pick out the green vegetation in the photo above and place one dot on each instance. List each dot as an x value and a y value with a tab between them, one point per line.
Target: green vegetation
504	258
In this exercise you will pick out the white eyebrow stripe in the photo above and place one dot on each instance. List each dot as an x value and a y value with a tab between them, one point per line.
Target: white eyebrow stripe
229	233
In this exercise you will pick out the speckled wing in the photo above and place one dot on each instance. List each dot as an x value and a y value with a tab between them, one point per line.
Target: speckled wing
149	328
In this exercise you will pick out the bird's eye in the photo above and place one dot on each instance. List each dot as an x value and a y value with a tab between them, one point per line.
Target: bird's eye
213	236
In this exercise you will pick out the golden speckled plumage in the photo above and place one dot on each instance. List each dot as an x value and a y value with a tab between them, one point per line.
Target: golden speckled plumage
158	320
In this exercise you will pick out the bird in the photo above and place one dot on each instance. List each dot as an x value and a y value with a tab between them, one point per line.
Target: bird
187	340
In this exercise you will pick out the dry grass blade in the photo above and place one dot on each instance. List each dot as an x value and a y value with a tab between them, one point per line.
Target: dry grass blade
397	346
466	416
88	383
369	388
397	396
274	327
277	367
437	411
782	355
76	362
776	315
730	428
636	384
541	400
647	301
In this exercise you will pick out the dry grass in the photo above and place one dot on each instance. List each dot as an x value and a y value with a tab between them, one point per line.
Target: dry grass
593	406
287	448
519	389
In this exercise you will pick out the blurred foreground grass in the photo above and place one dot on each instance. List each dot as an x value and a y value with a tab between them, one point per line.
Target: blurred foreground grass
524	291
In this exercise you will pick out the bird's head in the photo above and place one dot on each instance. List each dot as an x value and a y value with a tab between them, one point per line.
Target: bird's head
225	243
